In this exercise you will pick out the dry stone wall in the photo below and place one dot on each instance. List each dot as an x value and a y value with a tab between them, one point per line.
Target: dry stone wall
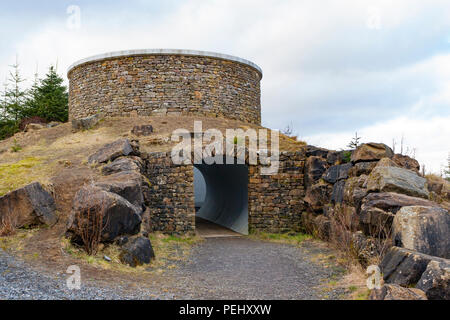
159	84
274	202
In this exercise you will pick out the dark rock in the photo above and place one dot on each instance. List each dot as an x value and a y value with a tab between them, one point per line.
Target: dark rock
144	130
120	241
396	292
318	196
137	251
28	206
423	229
314	169
371	152
392	179
119	216
366	247
362	168
312	151
354	190
405	267
86	123
376	222
406	162
337	196
112	151
435	281
126	184
337	172
392	202
124	164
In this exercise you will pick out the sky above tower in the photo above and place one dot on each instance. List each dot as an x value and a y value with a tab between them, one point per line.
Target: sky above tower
331	68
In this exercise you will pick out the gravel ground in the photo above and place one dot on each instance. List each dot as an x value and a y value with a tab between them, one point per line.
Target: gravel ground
225	268
20	282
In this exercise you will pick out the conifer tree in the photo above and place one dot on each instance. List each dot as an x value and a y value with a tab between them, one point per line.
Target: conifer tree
49	98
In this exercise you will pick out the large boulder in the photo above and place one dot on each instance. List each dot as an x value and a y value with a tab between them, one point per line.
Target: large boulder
314	169
137	251
435	281
112	151
362	168
124	164
28	206
393	179
312	151
118	215
337	172
378	210
127	184
406	162
318	195
86	123
423	229
392	202
337	196
354	190
396	292
371	152
405	267
376	222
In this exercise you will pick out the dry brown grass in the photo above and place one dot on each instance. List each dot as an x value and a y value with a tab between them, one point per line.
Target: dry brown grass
7	225
344	227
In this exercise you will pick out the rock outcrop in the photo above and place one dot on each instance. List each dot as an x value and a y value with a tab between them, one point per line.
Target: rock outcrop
396	292
371	152
127	184
435	281
117	215
86	123
29	206
112	151
124	164
137	251
392	179
423	229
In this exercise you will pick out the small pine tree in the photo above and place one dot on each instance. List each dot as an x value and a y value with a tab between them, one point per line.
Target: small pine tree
49	98
447	170
15	96
355	142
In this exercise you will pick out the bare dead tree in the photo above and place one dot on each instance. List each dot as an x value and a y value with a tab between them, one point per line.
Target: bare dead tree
90	224
8	223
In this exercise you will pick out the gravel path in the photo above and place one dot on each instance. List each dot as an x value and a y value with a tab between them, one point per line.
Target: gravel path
225	268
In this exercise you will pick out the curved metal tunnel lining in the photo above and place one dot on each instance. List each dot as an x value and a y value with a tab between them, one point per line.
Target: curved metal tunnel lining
226	199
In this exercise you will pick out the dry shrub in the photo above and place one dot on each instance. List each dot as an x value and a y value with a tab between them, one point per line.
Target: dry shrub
8	223
354	245
90	224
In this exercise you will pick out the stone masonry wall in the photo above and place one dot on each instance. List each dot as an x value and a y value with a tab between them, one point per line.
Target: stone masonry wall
165	84
171	194
276	202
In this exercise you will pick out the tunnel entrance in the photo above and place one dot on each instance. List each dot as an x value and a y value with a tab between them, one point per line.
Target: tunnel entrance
221	198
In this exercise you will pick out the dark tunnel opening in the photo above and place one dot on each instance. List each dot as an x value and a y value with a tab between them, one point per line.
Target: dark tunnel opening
221	195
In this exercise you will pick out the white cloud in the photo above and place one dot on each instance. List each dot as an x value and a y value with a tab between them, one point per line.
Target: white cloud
324	69
429	138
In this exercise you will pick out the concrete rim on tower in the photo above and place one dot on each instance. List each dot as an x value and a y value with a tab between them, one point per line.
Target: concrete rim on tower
180	52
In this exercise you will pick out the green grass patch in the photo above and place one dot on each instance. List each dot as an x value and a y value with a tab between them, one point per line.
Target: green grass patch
289	238
21	173
168	250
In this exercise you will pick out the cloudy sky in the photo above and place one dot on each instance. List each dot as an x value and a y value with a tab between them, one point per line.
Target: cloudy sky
331	68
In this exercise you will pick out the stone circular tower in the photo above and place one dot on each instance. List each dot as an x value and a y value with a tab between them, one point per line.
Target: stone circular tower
160	82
